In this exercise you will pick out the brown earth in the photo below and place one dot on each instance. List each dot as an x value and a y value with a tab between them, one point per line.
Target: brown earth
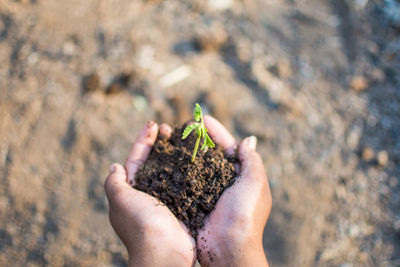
317	81
190	190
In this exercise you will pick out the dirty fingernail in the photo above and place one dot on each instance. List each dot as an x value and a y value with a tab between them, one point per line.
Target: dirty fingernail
131	179
251	142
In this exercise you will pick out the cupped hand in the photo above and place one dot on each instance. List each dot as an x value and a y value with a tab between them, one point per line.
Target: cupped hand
152	234
232	235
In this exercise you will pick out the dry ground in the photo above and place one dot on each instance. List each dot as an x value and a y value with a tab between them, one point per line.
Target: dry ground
317	81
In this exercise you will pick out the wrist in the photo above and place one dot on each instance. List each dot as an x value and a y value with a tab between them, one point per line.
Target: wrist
237	249
154	256
238	258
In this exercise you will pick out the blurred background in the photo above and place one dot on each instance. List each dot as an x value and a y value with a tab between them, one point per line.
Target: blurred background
317	81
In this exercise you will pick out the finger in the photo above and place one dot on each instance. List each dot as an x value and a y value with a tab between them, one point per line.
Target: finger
220	135
116	181
252	167
141	150
165	131
252	173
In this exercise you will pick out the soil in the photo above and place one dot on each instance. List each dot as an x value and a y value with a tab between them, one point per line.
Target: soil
190	190
288	72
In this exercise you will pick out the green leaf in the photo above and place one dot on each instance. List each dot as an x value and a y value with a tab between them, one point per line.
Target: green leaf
189	129
209	142
197	112
198	132
204	146
203	131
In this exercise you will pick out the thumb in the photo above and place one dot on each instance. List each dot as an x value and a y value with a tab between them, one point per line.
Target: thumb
251	164
252	177
116	180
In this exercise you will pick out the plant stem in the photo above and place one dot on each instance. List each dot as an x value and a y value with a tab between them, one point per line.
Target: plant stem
196	146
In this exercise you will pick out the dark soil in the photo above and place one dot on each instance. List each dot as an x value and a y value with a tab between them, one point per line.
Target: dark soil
190	190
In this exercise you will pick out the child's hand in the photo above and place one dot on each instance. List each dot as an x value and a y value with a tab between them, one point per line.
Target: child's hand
233	232
151	233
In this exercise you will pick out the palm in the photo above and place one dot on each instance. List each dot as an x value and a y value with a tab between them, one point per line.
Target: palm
243	208
140	220
143	209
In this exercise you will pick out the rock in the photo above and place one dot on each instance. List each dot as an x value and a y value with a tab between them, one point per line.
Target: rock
244	50
69	48
353	137
175	76
383	158
114	88
119	83
360	4
354	230
335	249
377	75
359	83
220	4
140	103
211	38
373	48
279	91
91	82
367	154
282	69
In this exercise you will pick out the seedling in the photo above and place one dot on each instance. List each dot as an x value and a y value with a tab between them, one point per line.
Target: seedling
201	131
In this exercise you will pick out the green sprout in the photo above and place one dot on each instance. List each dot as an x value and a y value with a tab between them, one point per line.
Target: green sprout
200	130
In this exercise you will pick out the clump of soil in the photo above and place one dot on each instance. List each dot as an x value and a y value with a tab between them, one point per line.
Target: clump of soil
190	190
91	83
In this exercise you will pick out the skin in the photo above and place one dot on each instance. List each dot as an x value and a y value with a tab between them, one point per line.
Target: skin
233	232
232	235
152	235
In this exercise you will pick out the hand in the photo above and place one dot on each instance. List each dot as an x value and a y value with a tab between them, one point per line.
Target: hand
152	235
233	232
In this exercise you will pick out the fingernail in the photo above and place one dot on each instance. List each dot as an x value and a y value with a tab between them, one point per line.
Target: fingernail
112	167
251	142
150	124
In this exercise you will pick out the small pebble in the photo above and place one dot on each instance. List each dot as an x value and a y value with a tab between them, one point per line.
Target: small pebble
114	88
284	69
367	154
140	103
212	38
378	75
354	230
220	4
91	82
69	48
383	158
359	83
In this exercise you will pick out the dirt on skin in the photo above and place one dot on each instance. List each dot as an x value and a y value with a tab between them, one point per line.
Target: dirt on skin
190	190
292	73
